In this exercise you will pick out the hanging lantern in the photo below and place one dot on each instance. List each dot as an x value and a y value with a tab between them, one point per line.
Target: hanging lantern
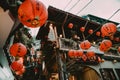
84	57
85	45
70	25
82	29
108	29
20	72
90	31
76	53
18	49
98	33
71	53
32	13
80	53
119	49
105	45
90	54
16	66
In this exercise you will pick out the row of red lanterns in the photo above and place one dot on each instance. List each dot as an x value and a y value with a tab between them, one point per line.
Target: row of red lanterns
104	45
107	29
90	55
80	53
18	51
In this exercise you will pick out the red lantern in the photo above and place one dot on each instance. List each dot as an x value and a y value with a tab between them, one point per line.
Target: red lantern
82	29
70	25
20	72
32	13
76	53
98	33
71	53
108	29
90	53
16	66
105	45
119	49
84	57
18	49
85	44
90	31
80	53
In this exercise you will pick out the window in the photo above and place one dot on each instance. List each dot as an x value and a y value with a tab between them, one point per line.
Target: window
118	73
108	74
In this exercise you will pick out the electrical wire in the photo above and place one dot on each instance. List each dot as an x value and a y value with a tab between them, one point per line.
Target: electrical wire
67	4
80	10
84	7
74	5
113	14
105	21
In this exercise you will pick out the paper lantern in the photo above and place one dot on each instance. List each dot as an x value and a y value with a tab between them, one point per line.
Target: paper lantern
105	45
119	49
90	31
20	72
108	29
71	53
90	54
16	66
70	25
84	57
18	49
85	45
76	53
32	13
82	29
80	53
98	33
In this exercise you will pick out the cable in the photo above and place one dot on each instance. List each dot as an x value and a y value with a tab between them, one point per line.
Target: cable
106	21
113	14
70	8
84	7
81	10
74	5
67	4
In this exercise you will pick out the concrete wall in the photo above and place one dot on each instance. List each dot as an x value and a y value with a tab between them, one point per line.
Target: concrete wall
6	25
